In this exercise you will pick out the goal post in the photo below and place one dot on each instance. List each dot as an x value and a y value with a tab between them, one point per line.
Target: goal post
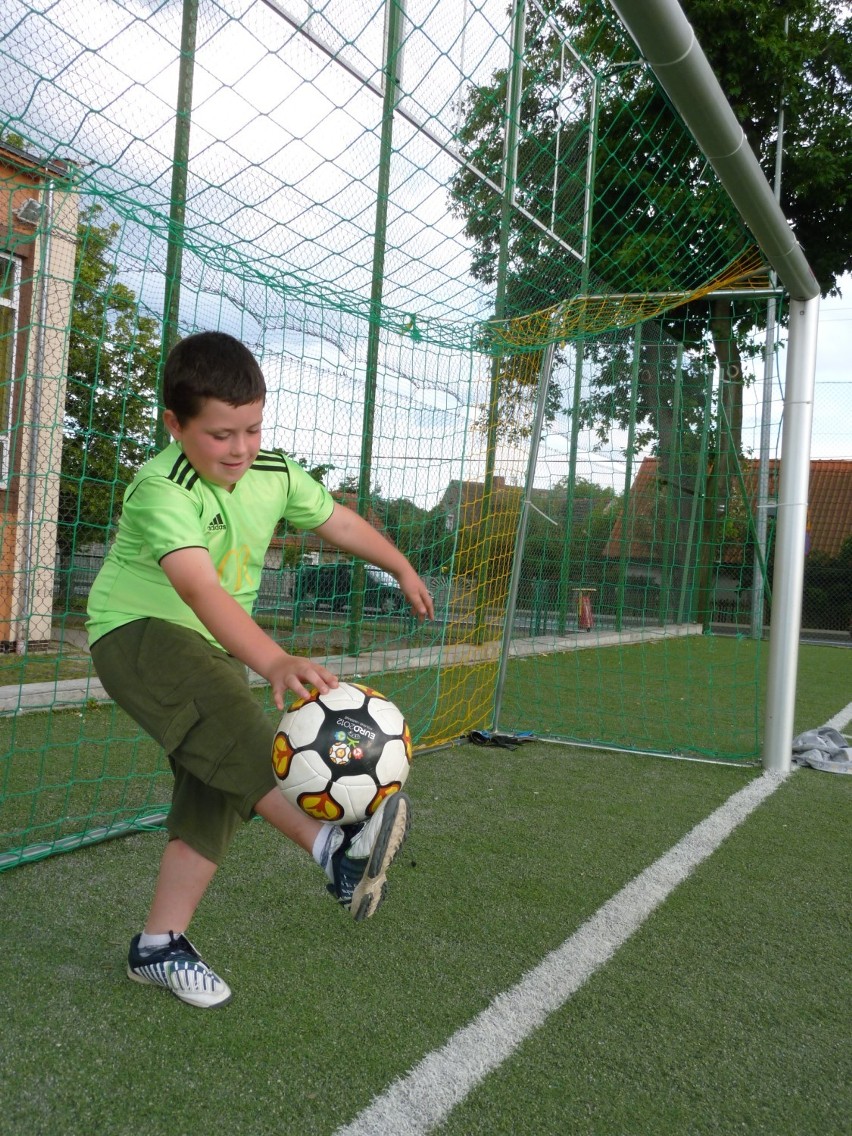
666	39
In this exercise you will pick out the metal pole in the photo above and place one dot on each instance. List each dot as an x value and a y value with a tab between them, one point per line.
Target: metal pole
177	207
24	621
395	14
517	564
514	90
579	357
762	519
789	575
628	478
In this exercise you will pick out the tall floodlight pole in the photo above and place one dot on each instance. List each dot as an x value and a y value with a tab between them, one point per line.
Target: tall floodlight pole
672	526
667	42
38	376
761	554
391	67
177	204
686	602
514	90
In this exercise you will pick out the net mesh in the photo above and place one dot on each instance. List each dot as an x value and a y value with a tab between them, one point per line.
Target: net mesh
502	307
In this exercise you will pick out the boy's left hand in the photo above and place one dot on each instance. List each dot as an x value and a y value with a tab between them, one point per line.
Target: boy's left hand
417	594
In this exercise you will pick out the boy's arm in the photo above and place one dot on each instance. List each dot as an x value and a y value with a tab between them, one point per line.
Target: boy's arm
191	573
348	531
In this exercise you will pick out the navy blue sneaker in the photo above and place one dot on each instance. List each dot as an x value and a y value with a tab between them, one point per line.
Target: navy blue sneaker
361	862
179	968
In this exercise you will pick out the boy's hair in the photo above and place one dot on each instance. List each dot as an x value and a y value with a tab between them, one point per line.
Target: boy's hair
210	364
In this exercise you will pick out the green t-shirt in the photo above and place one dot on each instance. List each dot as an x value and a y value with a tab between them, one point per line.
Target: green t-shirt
168	506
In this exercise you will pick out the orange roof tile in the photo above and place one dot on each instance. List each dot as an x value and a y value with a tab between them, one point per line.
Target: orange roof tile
829	508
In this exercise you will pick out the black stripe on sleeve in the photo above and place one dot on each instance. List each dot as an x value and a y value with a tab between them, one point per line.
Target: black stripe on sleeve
270	461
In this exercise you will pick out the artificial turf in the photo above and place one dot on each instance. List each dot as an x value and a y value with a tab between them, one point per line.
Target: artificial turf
721	1014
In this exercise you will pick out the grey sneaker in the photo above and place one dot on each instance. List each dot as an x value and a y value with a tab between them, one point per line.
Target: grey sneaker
361	862
179	968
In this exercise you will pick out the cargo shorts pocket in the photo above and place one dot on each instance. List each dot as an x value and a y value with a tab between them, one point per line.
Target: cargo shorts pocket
199	746
179	726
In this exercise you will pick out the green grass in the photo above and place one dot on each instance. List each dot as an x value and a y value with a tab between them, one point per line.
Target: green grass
701	695
71	769
721	1014
45	666
724	1013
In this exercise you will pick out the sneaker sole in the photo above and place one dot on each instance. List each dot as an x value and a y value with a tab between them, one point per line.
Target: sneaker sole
201	1001
370	892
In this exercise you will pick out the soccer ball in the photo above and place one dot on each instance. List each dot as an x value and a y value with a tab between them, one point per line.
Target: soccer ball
338	755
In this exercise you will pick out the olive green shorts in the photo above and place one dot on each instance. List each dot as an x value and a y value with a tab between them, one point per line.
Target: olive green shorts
195	701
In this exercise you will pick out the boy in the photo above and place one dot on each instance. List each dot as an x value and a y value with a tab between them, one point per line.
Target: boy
171	634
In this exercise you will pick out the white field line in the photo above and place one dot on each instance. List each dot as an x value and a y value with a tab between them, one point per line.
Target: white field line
841	720
421	1100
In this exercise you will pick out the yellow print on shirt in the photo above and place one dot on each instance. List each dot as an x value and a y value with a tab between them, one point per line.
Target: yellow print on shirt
232	569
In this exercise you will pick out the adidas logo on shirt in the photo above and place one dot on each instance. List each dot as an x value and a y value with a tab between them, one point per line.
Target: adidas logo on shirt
217	524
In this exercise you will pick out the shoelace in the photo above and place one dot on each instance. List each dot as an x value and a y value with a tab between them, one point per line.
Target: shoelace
346	880
179	949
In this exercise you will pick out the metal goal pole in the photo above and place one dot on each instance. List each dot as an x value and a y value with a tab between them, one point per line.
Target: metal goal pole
789	575
667	42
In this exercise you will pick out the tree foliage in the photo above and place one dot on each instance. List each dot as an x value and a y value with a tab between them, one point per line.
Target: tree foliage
421	534
797	53
111	391
656	206
593	515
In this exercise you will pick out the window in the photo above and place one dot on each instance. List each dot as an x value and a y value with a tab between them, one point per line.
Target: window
9	290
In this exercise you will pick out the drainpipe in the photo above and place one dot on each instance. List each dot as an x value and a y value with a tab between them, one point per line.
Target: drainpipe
28	598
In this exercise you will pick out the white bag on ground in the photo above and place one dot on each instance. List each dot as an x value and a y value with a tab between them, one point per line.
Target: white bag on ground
824	749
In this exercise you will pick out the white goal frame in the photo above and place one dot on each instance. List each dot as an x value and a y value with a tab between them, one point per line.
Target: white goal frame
668	44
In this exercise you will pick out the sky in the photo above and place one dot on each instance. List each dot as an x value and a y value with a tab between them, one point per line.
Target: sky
246	99
832	433
409	462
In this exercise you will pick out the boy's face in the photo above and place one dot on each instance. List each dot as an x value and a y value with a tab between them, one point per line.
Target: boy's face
222	441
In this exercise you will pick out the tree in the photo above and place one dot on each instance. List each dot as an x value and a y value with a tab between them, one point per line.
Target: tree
420	534
655	205
797	54
759	62
111	391
809	65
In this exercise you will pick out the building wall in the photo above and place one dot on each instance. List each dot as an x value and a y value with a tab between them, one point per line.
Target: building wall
45	253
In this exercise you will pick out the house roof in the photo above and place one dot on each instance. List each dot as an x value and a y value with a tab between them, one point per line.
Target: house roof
20	159
829	508
830	505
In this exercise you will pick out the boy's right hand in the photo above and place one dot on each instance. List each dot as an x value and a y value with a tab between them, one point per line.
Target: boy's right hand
292	672
191	573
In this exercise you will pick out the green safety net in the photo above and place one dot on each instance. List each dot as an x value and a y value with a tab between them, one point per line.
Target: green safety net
504	310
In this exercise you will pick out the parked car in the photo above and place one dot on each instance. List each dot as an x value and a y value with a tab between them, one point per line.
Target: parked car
330	585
